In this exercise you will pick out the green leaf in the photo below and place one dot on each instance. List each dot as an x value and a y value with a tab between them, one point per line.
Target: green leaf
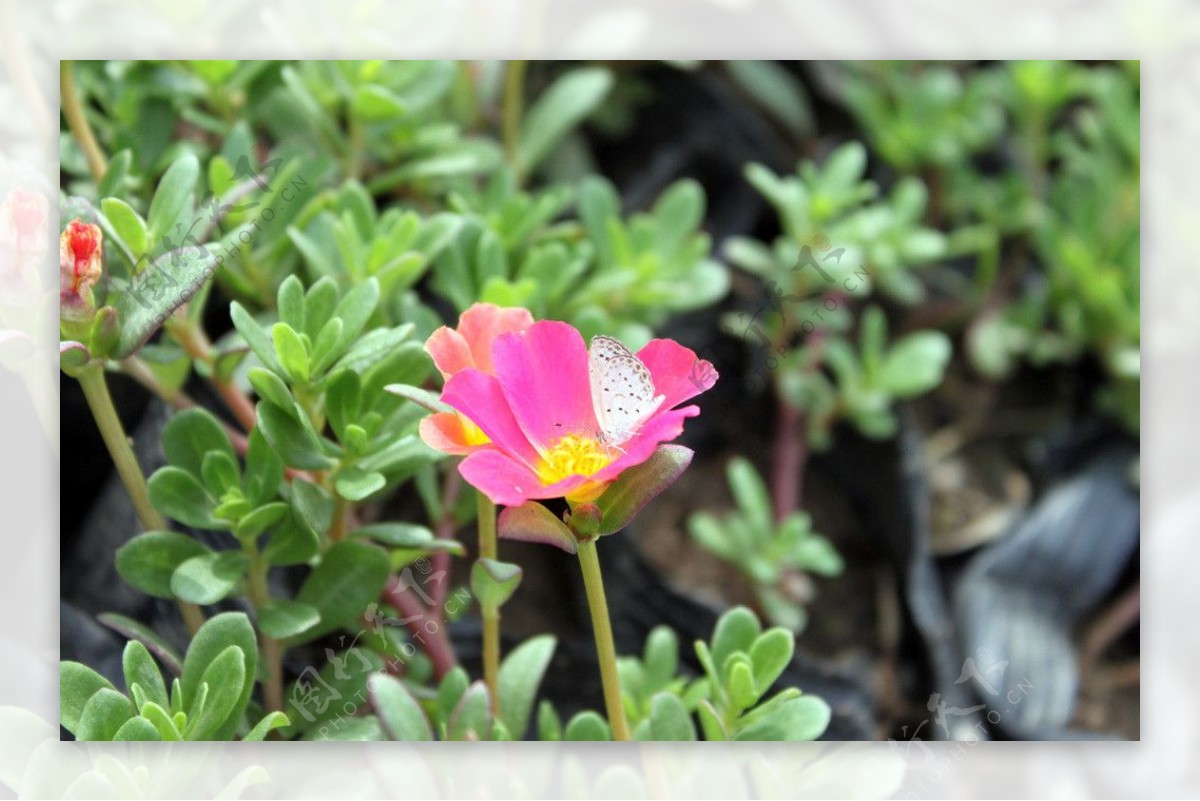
776	90
140	669
256	337
710	722
296	443
77	684
669	719
350	576
264	470
400	714
750	493
587	726
220	474
472	718
226	677
638	485
103	716
796	720
273	720
133	630
421	397
740	683
916	363
771	654
114	177
292	353
736	630
209	578
259	520
161	720
409	536
291	303
159	289
355	308
374	103
137	729
355	484
520	675
148	561
282	619
271	388
291	542
127	224
450	691
215	636
173	200
494	582
567	102
549	726
363	729
533	522
180	495
313	506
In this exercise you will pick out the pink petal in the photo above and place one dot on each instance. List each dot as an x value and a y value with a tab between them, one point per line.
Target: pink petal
480	397
544	373
678	373
660	428
450	351
444	432
507	482
483	322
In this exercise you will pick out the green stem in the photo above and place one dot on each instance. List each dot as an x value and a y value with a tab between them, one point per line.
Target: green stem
259	592
589	562
77	120
514	91
95	390
486	515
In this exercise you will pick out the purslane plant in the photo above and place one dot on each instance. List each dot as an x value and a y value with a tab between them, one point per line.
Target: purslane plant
334	263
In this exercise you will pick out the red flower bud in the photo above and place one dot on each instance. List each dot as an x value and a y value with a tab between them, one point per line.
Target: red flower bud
80	265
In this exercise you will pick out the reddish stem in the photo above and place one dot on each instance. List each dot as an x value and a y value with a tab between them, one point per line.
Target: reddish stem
791	452
432	638
445	531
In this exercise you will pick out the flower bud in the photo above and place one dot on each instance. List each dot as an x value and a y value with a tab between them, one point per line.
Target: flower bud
80	251
585	520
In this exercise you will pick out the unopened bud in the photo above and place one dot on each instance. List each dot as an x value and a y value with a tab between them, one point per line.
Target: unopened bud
80	252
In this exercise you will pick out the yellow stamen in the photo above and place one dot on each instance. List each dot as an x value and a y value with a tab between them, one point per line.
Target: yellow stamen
472	433
574	455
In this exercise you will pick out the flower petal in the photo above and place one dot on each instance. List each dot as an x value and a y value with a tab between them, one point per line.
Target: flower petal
544	373
660	428
480	397
444	432
483	322
450	351
507	482
678	372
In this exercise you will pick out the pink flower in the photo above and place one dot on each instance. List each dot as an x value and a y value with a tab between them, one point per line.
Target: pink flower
467	347
80	264
535	407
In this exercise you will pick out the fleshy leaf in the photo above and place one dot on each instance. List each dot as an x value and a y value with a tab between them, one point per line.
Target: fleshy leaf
532	522
639	485
494	582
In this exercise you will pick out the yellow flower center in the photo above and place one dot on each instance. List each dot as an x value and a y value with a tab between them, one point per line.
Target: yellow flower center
473	434
574	455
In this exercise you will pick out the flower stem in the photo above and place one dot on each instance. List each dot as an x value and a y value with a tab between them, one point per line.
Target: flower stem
195	343
589	562
77	120
491	617
95	390
514	90
259	592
